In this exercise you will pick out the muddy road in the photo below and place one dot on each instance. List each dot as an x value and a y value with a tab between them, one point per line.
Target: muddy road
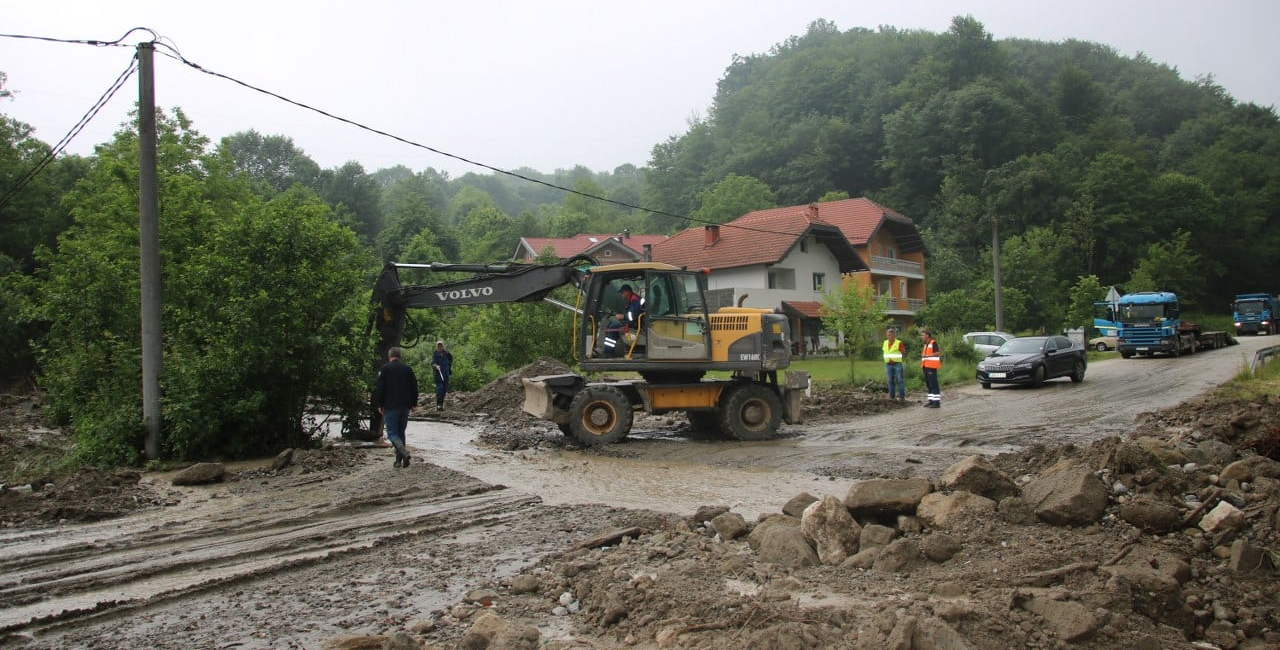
291	558
659	469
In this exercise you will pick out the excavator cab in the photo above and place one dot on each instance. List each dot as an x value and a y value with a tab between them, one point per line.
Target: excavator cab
672	326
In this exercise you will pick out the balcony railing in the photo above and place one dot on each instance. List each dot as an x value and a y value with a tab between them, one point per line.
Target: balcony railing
894	265
901	304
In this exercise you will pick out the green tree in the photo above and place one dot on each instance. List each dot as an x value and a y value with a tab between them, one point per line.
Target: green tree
354	196
857	315
272	161
1034	263
733	197
261	308
1170	266
1086	291
487	235
973	308
410	205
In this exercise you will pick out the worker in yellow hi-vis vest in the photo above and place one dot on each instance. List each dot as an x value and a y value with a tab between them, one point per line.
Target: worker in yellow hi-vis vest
892	349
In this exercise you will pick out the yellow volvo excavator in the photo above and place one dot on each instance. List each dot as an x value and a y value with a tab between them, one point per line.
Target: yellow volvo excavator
674	342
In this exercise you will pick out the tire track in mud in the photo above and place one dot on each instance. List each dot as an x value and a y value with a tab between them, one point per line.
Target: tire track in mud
95	571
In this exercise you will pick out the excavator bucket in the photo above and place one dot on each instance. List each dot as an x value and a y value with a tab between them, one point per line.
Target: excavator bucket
537	398
795	387
540	394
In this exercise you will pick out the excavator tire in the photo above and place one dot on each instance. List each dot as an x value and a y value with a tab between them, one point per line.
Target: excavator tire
751	412
600	415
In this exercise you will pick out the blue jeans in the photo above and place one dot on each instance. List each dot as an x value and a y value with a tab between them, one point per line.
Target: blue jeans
894	372
396	421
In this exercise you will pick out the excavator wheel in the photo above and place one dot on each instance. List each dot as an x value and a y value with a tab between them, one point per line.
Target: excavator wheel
600	415
751	412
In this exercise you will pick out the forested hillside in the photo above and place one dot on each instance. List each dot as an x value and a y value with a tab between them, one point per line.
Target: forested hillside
1090	167
1090	163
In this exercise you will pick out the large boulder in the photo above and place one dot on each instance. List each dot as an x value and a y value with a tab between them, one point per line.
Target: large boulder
1067	494
1069	620
786	546
200	473
729	525
937	510
886	497
1249	468
979	476
1151	516
829	527
900	555
757	534
796	505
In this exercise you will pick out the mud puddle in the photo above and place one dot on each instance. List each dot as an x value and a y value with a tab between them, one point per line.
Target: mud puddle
668	475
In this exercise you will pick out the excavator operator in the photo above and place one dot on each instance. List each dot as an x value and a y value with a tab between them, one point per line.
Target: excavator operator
623	323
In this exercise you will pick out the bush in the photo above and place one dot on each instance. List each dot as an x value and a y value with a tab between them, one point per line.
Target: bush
263	306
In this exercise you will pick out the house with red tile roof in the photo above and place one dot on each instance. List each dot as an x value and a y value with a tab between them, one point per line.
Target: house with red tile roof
788	258
605	249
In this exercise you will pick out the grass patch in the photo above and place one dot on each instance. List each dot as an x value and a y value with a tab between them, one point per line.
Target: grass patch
33	460
1248	386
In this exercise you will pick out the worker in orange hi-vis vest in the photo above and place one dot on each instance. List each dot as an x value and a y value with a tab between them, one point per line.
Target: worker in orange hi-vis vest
930	362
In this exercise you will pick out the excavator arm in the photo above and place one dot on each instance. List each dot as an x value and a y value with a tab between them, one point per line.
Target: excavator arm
493	283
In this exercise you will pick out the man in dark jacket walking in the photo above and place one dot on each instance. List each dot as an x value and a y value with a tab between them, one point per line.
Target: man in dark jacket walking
442	369
395	393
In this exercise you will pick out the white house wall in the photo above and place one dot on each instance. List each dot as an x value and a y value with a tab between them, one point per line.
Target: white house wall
754	280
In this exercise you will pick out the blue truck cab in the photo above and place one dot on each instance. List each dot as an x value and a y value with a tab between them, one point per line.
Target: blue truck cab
1255	313
1149	322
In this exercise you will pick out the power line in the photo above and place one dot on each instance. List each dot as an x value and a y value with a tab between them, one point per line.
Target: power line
178	57
62	144
173	53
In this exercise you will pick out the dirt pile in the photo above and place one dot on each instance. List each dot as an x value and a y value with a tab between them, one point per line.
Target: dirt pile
1171	540
87	495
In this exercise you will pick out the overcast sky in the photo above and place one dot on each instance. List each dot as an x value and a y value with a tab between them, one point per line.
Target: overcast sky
544	85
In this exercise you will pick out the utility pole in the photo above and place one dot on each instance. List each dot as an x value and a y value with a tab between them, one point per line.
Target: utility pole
995	263
149	243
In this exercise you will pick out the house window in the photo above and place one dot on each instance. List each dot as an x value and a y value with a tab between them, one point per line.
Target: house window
608	253
819	282
902	288
773	279
884	288
804	244
891	253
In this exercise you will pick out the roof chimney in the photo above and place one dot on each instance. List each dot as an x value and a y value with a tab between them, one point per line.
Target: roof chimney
813	210
648	252
713	234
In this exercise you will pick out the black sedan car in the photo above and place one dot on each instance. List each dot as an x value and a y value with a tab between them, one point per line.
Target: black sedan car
1032	360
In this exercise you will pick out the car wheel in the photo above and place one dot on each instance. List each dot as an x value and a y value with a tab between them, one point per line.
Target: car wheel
1077	372
1126	355
1037	377
986	384
1101	347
